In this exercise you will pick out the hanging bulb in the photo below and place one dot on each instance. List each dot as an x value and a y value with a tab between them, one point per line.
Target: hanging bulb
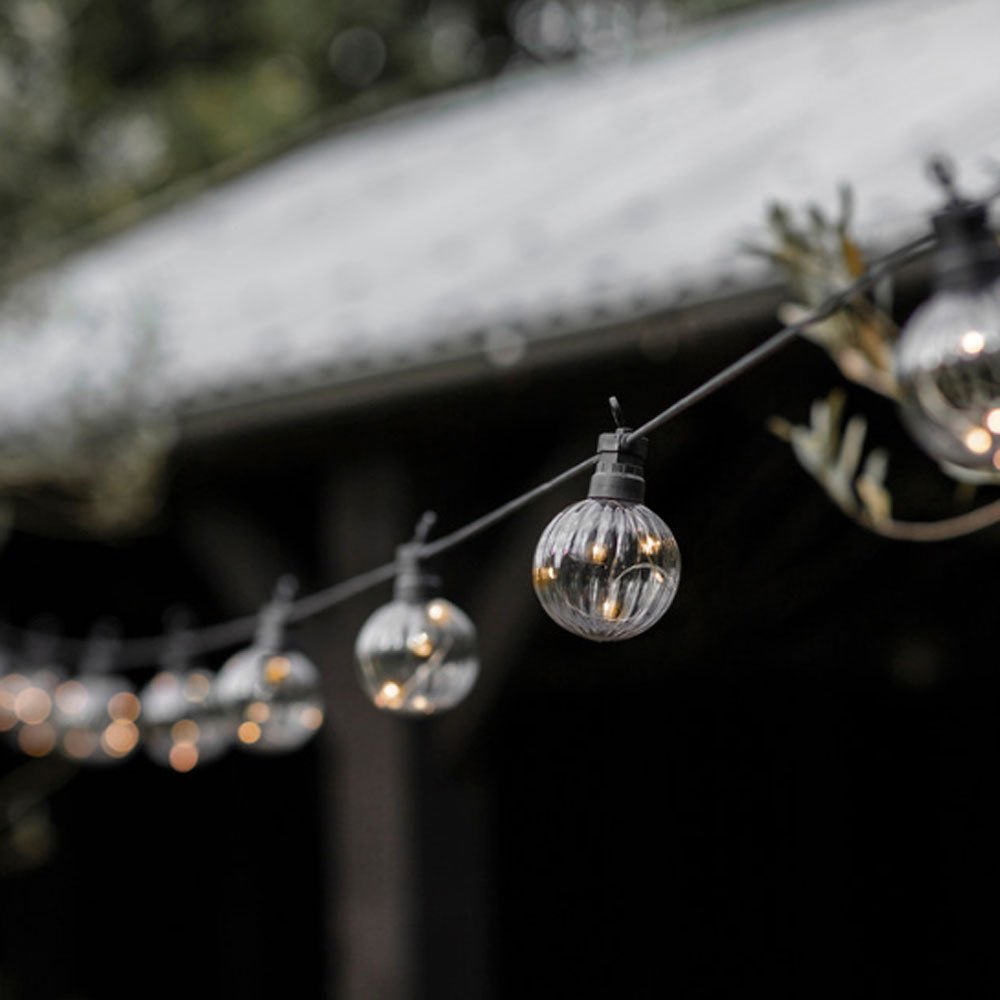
26	694
34	707
26	711
93	716
183	725
273	692
416	655
607	567
11	687
947	361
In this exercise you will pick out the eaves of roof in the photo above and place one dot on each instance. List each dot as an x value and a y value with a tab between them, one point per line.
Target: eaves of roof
507	224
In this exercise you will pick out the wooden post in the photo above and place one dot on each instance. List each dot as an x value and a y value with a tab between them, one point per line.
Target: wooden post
369	769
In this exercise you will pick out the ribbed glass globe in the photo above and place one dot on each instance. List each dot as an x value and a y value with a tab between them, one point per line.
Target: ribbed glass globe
948	368
183	725
95	717
606	569
275	696
417	657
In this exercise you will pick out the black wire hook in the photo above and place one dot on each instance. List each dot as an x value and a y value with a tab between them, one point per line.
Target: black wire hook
942	170
616	413
274	614
423	529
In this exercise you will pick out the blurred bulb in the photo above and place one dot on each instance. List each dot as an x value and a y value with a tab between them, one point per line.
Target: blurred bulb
948	368
37	739
607	567
26	698
947	362
274	698
94	717
417	657
180	710
11	687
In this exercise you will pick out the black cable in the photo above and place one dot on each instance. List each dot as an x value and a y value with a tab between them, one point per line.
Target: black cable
147	651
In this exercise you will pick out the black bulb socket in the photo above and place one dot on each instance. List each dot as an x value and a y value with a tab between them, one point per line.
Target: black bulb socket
620	465
967	258
413	583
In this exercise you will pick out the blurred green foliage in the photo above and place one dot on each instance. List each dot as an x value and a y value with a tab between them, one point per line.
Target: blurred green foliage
104	102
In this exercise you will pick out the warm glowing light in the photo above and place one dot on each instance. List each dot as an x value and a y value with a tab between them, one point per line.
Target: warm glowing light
33	705
311	717
197	686
649	545
37	740
438	612
544	574
249	732
258	711
420	703
8	720
403	653
598	552
185	731
79	743
610	608
125	707
277	669
972	342
119	738
978	441
993	421
71	697
420	644
388	695
183	756
164	681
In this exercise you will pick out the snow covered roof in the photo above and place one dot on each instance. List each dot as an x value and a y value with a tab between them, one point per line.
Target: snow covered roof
480	226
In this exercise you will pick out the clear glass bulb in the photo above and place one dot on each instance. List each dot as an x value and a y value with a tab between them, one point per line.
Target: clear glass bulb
11	687
183	725
275	697
95	718
606	569
26	707
417	656
948	369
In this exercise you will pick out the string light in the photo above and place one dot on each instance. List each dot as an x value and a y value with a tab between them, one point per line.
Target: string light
607	568
273	692
183	724
416	655
95	719
26	697
94	715
948	357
